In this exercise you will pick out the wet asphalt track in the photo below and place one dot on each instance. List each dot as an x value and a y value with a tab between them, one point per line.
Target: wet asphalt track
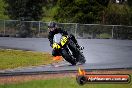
99	53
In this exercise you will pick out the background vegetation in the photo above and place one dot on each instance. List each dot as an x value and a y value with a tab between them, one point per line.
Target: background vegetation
78	11
2	10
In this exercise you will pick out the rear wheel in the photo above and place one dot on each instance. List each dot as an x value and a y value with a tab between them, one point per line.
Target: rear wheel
68	57
81	58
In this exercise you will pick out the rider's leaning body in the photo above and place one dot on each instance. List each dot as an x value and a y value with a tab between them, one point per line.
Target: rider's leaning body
53	29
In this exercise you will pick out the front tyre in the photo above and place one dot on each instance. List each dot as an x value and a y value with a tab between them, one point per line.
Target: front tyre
68	57
77	53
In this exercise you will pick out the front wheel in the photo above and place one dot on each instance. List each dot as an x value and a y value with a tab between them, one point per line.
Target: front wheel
68	57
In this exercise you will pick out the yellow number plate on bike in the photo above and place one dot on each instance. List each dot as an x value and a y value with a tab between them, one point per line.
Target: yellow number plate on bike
64	40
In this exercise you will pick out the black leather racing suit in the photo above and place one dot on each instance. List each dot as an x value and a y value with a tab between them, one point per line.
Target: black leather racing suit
55	31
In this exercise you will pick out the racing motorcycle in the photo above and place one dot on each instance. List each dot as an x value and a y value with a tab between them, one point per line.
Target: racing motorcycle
67	49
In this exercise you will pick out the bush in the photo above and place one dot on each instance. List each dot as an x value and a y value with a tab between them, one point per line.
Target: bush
104	36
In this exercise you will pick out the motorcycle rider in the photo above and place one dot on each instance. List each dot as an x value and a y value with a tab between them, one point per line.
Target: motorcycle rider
53	29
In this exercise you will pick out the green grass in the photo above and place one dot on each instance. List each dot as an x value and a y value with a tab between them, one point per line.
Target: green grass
62	83
16	58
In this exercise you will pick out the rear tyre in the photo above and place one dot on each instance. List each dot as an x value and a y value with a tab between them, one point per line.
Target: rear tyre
81	58
68	57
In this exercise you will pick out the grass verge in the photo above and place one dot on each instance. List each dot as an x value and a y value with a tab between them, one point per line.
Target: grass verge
69	82
17	58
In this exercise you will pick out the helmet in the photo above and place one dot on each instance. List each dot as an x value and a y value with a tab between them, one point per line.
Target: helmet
52	25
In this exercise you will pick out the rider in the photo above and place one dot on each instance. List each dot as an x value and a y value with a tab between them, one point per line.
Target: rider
53	29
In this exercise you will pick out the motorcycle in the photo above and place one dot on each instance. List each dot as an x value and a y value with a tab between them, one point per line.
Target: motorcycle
67	49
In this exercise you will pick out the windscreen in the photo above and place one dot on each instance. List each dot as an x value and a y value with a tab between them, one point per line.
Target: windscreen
57	38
